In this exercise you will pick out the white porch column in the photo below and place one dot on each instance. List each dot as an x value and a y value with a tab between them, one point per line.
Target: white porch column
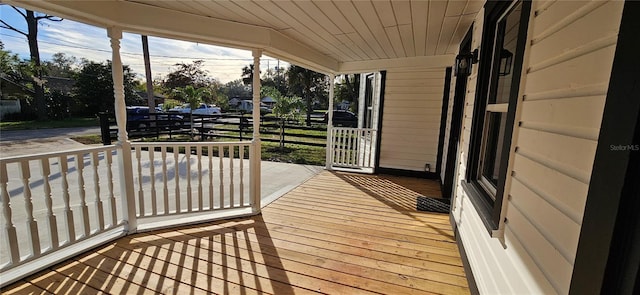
256	156
329	149
125	169
362	99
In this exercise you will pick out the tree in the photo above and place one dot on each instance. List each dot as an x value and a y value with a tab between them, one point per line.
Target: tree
193	96
61	65
247	75
12	67
187	74
94	88
32	19
307	84
276	79
236	88
349	90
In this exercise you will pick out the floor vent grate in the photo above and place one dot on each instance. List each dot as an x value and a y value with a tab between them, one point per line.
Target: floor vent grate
437	205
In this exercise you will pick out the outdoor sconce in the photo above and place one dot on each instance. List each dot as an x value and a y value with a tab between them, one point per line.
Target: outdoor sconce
506	58
464	62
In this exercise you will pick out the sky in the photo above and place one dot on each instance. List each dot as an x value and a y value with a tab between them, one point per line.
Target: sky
90	42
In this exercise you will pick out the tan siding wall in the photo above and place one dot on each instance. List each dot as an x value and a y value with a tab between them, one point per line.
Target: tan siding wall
568	65
411	124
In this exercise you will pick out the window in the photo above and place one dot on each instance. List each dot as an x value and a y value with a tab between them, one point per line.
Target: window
501	58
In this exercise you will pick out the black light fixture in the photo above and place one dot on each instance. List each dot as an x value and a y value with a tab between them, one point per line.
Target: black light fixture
464	62
506	58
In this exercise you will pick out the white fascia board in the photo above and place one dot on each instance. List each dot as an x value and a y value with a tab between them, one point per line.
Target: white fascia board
156	21
420	62
96	13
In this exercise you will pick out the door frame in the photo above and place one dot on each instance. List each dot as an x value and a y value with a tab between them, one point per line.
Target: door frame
456	122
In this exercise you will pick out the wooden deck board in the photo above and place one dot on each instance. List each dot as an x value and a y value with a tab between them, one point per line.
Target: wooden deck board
338	233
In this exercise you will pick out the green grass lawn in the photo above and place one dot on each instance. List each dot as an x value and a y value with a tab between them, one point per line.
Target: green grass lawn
292	153
66	123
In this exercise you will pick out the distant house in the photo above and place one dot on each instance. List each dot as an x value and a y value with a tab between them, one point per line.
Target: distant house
11	93
59	84
158	98
269	101
234	102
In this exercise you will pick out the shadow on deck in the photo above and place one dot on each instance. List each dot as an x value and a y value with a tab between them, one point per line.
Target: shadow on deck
337	233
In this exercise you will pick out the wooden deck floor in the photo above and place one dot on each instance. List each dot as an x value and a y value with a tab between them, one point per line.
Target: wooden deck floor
335	234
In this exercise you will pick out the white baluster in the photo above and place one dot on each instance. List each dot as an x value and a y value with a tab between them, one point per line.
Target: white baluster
343	142
95	162
9	228
141	208
68	213
152	172
32	225
210	156
231	184
187	153
83	197
51	218
221	167
241	156
165	180
176	153
199	154
334	149
108	157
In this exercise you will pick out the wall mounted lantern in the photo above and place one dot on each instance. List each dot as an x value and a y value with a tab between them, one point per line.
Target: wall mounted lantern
464	62
506	58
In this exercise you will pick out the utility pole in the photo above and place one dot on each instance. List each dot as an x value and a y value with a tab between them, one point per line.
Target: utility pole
147	69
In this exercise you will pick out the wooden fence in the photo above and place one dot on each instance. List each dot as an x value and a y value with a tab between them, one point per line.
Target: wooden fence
224	127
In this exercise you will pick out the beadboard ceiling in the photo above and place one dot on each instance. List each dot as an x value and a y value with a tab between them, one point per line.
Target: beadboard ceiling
321	34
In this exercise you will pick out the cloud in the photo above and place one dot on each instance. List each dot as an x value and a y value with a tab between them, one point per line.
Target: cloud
90	42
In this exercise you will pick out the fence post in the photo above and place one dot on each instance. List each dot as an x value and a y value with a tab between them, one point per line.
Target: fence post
241	124
104	128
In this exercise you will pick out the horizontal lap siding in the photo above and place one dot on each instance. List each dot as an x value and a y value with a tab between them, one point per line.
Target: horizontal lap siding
568	62
411	125
569	69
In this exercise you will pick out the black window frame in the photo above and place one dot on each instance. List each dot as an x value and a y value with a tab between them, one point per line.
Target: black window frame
489	206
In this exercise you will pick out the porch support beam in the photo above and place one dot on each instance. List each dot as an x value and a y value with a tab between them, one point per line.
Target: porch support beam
256	156
421	62
125	169
329	149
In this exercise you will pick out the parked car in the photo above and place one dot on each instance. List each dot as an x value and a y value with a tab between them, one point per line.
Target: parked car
138	117
342	118
203	109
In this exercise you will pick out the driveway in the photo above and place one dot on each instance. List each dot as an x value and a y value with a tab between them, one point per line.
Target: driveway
28	142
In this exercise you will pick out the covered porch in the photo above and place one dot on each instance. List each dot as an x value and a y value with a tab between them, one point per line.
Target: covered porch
337	233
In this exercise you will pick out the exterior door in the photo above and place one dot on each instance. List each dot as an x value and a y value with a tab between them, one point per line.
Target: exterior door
354	149
456	122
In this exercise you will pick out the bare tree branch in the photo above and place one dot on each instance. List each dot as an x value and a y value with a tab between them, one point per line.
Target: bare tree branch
18	10
10	27
49	17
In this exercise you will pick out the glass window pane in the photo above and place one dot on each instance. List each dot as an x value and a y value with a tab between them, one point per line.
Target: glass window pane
505	49
496	123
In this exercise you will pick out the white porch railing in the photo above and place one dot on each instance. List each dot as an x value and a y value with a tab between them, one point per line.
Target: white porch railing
51	201
184	178
57	205
353	148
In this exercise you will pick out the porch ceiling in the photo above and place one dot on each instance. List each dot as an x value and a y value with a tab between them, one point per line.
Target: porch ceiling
329	36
